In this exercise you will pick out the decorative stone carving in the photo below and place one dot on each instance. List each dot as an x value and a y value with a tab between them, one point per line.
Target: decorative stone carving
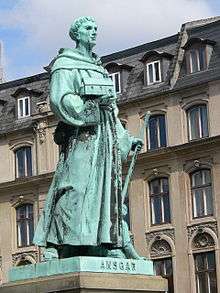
42	107
22	256
203	240
40	129
192	230
158	235
160	248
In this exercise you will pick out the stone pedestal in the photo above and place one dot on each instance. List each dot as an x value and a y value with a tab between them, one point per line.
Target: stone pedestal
85	275
88	283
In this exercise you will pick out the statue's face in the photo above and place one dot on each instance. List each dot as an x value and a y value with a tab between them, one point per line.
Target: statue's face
87	33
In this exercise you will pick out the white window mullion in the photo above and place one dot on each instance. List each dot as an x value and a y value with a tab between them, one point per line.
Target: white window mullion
200	122
194	205
152	211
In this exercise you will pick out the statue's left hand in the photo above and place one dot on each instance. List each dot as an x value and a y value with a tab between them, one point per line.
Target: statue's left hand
137	143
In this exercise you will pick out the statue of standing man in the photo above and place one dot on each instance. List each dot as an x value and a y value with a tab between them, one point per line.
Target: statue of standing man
83	213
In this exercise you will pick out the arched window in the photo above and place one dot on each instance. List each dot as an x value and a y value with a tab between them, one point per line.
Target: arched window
161	255
201	189
197	122
204	263
23	159
159	201
25	224
157	132
24	262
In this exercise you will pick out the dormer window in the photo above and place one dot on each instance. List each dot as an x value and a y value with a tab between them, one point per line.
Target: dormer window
197	59
119	75
116	78
23	107
198	54
156	66
153	72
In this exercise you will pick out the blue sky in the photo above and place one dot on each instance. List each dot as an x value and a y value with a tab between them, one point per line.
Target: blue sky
32	31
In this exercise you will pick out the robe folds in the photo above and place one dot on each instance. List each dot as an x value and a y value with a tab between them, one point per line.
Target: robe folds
84	204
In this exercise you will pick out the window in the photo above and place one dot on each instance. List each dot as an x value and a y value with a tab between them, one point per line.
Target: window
23	162
23	107
153	72
159	201
116	81
25	225
197	122
163	267
205	271
197	59
201	188
157	132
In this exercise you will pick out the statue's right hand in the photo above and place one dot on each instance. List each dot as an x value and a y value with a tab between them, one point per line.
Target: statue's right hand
106	100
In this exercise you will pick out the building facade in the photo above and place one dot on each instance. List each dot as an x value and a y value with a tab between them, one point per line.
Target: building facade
174	196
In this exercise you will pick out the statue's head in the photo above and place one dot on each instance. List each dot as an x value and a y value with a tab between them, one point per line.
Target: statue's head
84	30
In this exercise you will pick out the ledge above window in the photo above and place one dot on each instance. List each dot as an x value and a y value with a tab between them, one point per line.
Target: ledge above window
156	65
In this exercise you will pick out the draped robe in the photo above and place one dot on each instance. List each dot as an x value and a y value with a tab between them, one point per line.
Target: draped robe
84	204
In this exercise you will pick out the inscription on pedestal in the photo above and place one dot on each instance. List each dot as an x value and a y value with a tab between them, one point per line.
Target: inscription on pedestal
118	265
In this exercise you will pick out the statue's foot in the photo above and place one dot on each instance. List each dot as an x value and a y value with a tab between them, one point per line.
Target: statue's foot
50	253
116	253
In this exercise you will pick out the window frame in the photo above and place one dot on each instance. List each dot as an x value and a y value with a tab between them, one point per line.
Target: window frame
26	173
166	276
153	72
28	220
206	271
162	196
158	130
204	196
189	122
112	76
23	99
196	48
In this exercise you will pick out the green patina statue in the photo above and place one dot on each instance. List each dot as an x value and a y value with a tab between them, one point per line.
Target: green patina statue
83	213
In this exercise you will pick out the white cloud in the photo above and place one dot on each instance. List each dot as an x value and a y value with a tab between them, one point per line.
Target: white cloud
122	23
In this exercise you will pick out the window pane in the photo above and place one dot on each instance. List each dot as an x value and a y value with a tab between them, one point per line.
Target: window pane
199	205
206	176
194	123
20	154
157	208
150	73
202	58
29	161
197	179
155	186
117	86
31	231
166	205
27	107
153	133
157	72
159	267
165	185
21	108
204	121
194	61
162	127
23	233
210	260
208	198
200	262
213	282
